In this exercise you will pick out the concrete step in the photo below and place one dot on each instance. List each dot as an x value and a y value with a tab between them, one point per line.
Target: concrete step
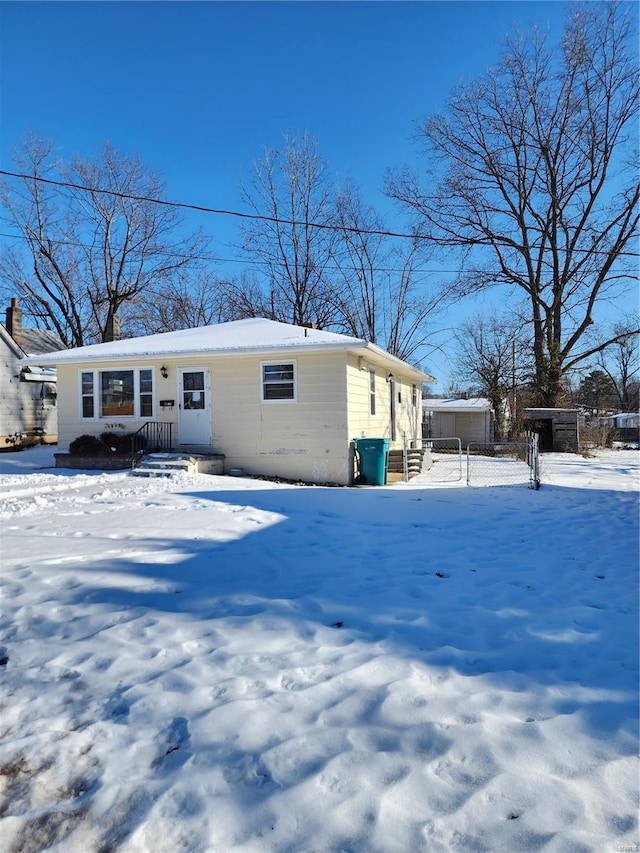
166	464
169	465
395	467
414	461
148	472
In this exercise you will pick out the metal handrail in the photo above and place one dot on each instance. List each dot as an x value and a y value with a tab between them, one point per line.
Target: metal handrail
152	436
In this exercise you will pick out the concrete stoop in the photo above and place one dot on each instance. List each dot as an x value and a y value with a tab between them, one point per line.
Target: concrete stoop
166	464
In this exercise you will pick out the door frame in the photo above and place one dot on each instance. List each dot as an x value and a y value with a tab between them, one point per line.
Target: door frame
208	409
392	408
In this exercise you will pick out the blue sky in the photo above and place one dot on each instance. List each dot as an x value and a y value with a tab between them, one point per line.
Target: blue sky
198	89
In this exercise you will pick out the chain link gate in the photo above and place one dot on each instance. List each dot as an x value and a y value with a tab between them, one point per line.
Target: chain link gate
446	459
504	463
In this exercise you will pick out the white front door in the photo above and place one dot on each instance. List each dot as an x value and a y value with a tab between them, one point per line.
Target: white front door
194	406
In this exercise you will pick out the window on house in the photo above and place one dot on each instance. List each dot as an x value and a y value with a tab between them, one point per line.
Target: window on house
414	395
193	390
145	392
117	393
48	395
372	392
86	391
279	381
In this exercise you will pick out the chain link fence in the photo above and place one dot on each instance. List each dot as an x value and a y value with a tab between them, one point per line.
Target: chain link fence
444	459
496	463
504	463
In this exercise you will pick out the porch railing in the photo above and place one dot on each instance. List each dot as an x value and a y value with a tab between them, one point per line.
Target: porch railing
152	436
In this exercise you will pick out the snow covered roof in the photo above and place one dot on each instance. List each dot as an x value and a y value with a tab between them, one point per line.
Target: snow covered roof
34	342
627	419
39	374
37	341
456	404
239	337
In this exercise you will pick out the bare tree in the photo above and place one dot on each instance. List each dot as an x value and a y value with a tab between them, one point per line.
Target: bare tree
290	189
378	297
361	256
246	297
621	363
83	254
493	356
537	188
182	304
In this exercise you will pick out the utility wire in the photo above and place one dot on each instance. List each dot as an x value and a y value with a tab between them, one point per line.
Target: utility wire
202	209
256	216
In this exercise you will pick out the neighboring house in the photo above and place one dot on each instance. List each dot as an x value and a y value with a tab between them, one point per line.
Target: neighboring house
626	424
274	399
28	412
470	420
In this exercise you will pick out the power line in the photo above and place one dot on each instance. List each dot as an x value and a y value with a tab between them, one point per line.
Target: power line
255	216
201	209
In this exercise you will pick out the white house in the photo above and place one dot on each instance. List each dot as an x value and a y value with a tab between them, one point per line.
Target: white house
28	412
470	420
274	399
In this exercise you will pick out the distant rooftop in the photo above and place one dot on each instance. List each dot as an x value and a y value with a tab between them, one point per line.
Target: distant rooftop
37	341
455	404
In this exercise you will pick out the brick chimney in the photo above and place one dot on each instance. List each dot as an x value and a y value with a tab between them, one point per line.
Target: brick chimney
14	321
112	328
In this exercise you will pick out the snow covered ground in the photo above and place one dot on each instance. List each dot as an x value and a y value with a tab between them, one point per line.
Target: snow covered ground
222	664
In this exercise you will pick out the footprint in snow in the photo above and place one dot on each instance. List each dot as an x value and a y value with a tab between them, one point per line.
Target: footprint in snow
117	707
173	748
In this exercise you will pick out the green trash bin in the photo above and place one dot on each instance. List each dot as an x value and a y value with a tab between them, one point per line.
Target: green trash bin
372	459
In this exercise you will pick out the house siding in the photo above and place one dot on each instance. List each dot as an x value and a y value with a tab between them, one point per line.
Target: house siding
22	409
364	425
306	439
71	425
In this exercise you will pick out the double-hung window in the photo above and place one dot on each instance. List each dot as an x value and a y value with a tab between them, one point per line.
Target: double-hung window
87	394
109	394
145	392
279	382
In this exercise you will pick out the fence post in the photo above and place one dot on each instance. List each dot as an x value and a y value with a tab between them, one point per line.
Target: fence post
405	459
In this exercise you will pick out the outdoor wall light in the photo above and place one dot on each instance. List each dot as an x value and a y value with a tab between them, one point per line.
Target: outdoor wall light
390	377
164	372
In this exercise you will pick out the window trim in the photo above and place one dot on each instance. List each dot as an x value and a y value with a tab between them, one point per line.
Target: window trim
293	363
96	374
88	396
